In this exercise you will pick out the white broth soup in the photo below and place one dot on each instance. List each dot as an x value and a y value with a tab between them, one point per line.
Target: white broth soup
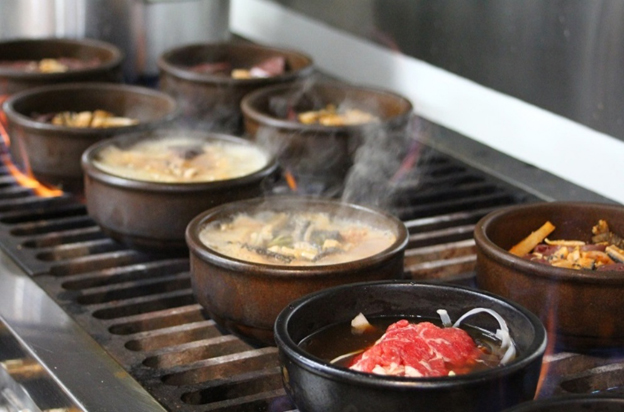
181	160
301	238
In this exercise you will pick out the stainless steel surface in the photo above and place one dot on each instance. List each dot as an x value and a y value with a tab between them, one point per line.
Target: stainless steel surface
143	29
68	354
563	56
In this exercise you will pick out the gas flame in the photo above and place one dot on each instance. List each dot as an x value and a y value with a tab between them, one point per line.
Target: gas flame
290	181
21	178
550	349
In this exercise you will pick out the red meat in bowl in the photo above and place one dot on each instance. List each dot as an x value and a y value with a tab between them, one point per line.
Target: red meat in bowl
316	384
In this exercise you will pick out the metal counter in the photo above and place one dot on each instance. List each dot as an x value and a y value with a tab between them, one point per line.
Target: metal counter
63	348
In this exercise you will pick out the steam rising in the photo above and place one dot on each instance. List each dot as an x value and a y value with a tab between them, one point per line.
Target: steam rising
386	159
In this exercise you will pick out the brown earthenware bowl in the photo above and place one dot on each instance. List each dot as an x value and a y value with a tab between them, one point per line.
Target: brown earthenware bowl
52	153
152	215
314	149
316	385
246	297
583	309
213	100
107	69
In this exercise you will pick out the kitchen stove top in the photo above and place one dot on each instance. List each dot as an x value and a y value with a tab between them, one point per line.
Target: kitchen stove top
119	329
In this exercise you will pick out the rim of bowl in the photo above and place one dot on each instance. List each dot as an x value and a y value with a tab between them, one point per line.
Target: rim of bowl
182	72
115	60
248	106
96	87
505	258
196	246
320	367
176	187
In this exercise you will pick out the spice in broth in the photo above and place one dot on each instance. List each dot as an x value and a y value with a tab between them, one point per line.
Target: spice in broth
301	238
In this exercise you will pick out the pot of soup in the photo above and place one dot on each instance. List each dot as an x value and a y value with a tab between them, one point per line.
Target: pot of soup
402	345
51	126
144	188
251	258
28	63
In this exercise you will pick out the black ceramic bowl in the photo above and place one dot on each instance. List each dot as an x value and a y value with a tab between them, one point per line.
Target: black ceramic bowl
584	309
213	100
317	149
579	403
52	152
246	297
107	66
153	215
315	385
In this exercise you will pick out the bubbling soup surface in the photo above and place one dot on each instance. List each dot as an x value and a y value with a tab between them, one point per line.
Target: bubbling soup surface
181	160
298	238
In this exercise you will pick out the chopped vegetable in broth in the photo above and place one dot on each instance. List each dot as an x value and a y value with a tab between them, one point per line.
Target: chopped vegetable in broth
305	238
604	253
92	119
59	65
332	116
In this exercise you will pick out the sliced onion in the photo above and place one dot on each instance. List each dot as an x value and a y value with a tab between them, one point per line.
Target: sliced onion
444	316
503	333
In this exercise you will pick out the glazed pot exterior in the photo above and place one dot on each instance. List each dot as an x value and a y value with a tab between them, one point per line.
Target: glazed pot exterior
319	150
584	309
52	153
315	385
153	215
12	81
246	298
213	101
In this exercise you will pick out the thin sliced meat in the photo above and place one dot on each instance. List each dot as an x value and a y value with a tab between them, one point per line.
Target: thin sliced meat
419	350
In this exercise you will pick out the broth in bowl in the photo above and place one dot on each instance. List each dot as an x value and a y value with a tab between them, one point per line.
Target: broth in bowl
181	159
297	238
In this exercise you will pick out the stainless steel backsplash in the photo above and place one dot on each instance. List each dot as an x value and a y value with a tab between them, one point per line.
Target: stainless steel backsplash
143	29
562	55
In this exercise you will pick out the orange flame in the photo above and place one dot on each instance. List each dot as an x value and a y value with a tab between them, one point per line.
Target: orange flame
290	180
550	349
21	178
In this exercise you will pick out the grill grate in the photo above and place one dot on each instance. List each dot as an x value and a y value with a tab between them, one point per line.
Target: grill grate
141	309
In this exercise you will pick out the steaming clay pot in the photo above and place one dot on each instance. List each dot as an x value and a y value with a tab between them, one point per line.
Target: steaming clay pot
12	81
153	215
213	100
52	152
246	297
316	149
